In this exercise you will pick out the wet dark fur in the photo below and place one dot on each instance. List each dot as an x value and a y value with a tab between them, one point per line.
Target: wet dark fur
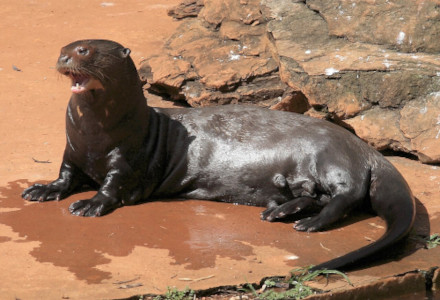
286	162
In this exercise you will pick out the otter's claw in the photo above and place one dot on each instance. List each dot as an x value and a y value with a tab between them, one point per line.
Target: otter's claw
99	205
41	192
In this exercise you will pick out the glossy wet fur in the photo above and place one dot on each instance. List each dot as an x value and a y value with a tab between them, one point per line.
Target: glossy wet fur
103	128
242	154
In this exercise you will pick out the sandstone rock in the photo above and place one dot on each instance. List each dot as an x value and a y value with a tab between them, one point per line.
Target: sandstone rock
350	78
368	65
295	102
221	57
329	70
420	122
246	12
380	128
168	72
186	9
408	26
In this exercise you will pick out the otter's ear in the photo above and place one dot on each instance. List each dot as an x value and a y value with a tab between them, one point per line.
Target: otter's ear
125	52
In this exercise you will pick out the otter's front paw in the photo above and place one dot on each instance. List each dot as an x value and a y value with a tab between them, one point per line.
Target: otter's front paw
99	205
45	192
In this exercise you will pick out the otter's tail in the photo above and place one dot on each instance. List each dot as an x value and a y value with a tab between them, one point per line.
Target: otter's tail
393	201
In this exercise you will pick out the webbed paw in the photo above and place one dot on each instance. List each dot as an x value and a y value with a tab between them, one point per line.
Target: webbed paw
99	205
45	192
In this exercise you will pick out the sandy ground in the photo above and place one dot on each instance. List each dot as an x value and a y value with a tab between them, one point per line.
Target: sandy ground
46	253
34	99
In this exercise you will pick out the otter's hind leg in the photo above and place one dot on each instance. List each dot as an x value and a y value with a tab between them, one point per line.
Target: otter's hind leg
292	207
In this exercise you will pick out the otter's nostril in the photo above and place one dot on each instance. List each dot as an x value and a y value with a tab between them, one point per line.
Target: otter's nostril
65	59
82	51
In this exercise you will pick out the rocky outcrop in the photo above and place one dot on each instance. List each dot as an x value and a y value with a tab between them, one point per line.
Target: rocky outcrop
372	66
389	97
186	9
221	57
407	26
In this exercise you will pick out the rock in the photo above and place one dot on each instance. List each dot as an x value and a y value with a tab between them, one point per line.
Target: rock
186	9
420	122
222	57
367	65
169	73
295	102
365	85
408	26
246	12
334	72
381	129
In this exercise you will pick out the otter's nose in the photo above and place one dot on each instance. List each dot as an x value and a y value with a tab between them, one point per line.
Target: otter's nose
64	59
68	56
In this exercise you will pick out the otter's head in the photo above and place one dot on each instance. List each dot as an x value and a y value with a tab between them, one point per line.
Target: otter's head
96	64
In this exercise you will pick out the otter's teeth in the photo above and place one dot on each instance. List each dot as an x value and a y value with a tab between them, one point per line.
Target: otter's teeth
78	88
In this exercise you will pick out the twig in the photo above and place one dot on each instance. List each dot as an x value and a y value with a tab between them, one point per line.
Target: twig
42	161
203	278
369	239
377	226
197	279
185	279
130	286
322	246
127	281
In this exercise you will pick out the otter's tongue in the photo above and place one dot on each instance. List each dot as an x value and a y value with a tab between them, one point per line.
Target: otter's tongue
79	84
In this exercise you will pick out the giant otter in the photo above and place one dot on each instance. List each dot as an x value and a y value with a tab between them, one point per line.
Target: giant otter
286	162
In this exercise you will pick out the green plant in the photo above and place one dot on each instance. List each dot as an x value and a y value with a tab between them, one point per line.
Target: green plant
299	291
433	241
297	281
305	275
270	283
252	289
175	294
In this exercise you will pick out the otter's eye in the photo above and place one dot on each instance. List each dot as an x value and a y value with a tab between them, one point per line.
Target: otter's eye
82	51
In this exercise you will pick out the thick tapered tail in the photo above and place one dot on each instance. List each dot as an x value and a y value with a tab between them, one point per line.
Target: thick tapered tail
392	200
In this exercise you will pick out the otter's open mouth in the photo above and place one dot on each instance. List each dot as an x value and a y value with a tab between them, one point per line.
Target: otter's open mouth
79	83
82	83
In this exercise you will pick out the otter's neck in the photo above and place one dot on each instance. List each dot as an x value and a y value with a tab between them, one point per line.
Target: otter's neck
99	112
